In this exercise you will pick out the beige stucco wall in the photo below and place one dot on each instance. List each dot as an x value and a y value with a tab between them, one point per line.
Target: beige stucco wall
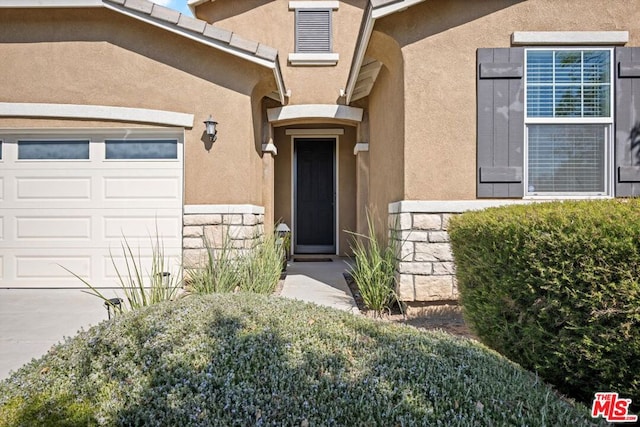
271	22
100	57
346	180
387	130
439	41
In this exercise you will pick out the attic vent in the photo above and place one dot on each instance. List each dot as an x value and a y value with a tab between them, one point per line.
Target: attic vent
313	31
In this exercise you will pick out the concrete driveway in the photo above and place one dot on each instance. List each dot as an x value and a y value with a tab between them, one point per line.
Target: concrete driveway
32	320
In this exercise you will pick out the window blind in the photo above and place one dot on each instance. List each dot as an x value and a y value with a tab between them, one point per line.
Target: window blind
566	158
568	83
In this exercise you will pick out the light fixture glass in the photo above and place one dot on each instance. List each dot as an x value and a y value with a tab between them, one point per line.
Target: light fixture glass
210	128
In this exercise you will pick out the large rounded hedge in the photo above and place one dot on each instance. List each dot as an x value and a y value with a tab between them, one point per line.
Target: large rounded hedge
249	360
556	288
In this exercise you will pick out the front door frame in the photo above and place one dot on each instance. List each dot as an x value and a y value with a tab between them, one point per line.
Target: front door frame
316	134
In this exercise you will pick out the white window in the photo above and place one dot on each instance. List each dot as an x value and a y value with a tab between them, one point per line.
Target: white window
568	122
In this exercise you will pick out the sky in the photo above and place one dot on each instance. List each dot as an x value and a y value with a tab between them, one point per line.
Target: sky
179	5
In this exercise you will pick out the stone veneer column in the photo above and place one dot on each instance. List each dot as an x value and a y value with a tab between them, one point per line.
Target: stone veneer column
426	270
242	225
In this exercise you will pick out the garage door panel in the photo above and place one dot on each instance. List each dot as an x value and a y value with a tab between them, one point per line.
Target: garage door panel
51	266
1	189
49	188
145	227
133	188
44	228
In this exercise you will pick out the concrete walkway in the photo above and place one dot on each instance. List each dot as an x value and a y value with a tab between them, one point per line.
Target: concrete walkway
32	320
321	283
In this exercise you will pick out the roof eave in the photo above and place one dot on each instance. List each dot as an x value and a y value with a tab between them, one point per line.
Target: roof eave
374	11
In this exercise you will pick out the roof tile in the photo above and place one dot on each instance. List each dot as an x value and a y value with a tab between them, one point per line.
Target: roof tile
143	6
267	52
243	44
217	33
165	14
191	24
184	22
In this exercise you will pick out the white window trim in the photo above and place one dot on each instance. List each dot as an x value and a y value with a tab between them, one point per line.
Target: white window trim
333	5
311	59
609	149
583	38
314	59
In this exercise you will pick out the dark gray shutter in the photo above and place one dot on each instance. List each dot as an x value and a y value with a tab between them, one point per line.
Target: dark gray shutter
500	99
627	122
313	31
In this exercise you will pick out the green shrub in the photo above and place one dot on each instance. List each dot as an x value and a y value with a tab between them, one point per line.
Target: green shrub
245	359
374	269
555	287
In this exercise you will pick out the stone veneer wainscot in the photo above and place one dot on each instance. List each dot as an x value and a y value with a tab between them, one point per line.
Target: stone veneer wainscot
209	224
426	270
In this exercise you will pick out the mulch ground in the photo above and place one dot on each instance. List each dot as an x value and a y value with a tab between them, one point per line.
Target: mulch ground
441	316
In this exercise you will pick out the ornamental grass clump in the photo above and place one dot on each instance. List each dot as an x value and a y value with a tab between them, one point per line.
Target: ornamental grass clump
262	267
220	270
142	285
245	359
556	288
228	269
374	269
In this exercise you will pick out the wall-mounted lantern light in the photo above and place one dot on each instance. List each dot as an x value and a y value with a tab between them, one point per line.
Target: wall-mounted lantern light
210	127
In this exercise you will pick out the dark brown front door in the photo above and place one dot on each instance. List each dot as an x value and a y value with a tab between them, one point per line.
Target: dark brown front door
315	193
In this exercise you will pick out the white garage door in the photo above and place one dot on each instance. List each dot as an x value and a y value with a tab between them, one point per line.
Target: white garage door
67	201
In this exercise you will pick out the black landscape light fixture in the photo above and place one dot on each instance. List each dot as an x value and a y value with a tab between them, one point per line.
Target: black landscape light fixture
210	128
115	303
